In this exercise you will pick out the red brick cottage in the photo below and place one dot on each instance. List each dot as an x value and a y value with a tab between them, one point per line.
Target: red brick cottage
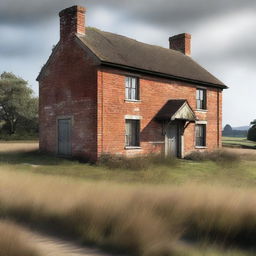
105	93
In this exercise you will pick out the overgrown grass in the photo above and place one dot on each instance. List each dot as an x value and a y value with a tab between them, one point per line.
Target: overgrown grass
141	220
218	156
13	242
236	173
135	163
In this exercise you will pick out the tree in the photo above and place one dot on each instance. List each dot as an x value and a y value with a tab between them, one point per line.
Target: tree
17	103
252	131
227	131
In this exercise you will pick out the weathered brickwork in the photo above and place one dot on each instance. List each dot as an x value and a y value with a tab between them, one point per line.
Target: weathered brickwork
112	108
68	88
74	85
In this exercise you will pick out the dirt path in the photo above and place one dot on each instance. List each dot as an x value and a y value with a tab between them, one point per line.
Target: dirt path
48	245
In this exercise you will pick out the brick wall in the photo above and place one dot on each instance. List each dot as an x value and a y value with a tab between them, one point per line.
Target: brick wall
95	99
68	87
154	92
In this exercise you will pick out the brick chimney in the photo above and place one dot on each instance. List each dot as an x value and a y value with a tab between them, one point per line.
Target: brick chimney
181	42
72	21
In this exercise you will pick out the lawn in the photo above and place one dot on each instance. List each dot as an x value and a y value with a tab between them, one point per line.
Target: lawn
27	159
238	142
180	207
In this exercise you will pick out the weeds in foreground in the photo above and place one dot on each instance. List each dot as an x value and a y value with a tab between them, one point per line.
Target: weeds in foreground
135	163
13	242
218	156
140	220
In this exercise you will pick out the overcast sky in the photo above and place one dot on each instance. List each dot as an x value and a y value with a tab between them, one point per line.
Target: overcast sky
223	38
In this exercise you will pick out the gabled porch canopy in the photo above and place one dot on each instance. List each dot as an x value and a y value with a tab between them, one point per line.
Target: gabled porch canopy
177	109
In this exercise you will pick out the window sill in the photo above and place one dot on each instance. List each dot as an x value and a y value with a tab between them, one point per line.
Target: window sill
127	100
132	147
201	110
201	147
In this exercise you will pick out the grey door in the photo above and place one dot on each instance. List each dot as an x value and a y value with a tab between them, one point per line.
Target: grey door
171	141
64	137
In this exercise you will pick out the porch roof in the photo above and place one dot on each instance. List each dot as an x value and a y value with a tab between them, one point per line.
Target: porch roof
176	109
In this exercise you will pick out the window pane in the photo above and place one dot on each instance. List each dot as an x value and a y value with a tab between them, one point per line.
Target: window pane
197	94
200	135
132	131
132	88
133	82
133	94
201	99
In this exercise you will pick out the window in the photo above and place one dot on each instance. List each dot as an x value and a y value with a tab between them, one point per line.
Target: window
132	88
132	133
200	135
201	99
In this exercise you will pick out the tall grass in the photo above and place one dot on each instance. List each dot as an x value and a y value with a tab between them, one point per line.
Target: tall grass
141	220
13	241
135	163
218	156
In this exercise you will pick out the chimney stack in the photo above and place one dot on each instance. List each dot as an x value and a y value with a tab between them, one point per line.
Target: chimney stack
182	43
72	22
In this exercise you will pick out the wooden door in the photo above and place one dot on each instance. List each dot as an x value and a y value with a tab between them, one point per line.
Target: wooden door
64	137
171	141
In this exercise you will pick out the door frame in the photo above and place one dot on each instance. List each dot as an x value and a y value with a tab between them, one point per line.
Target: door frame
71	118
180	138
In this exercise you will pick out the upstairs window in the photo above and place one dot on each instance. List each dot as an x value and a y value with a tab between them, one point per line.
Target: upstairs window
200	135
132	133
131	88
200	98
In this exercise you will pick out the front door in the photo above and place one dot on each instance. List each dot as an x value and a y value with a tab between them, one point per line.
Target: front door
64	137
172	140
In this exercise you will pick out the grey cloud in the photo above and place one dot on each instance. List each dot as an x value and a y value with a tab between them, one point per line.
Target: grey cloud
167	13
158	12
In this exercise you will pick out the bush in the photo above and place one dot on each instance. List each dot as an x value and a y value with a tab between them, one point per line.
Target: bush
218	156
252	133
135	163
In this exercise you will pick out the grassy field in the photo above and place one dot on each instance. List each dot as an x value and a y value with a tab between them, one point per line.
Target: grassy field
239	142
182	207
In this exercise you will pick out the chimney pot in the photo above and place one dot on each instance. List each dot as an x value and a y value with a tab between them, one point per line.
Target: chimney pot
72	22
182	43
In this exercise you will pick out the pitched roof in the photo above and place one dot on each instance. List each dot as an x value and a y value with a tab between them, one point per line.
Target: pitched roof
176	109
126	52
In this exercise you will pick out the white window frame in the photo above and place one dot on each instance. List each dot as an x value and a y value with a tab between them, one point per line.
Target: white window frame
132	140
132	88
204	125
201	98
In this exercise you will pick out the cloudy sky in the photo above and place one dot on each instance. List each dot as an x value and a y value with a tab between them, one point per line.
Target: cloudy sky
223	38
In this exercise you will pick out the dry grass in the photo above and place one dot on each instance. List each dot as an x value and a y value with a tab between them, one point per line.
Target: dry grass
141	220
13	241
18	146
135	163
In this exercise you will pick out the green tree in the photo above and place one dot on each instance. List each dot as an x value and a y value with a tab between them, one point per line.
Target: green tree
227	131
17	103
252	131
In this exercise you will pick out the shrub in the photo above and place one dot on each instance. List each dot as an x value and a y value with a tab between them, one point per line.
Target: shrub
218	156
252	133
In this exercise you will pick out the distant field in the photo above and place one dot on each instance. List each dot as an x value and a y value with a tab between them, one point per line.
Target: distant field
239	142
